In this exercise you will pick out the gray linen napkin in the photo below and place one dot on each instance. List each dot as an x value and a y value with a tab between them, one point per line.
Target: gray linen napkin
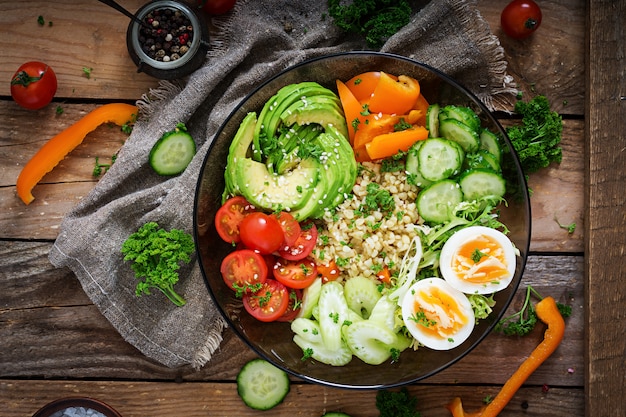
254	42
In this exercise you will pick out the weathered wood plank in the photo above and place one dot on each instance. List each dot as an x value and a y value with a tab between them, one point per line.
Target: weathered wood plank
72	43
49	328
605	200
558	190
22	398
551	62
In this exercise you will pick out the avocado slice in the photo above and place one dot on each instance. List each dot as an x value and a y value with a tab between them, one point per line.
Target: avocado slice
276	192
323	110
269	117
337	175
239	149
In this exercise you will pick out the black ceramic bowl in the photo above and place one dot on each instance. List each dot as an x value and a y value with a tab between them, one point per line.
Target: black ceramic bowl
78	402
273	341
184	63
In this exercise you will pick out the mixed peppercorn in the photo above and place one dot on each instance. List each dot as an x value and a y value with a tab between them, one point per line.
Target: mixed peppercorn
167	35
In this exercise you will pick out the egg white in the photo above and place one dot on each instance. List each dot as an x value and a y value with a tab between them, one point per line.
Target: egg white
457	240
420	332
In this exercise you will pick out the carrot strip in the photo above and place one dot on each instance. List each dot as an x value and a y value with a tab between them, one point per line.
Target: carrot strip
53	152
548	313
388	144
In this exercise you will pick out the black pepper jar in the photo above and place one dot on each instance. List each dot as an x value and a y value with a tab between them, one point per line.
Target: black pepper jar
173	42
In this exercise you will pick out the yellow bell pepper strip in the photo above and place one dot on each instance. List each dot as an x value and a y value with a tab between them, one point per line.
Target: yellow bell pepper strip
53	152
548	312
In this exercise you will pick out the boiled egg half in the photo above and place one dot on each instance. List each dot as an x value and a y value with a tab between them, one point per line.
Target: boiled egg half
437	315
478	260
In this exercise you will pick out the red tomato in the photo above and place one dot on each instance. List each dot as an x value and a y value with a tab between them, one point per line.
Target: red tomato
520	18
304	244
261	232
33	85
229	217
329	272
291	227
216	6
295	274
242	269
269	303
295	303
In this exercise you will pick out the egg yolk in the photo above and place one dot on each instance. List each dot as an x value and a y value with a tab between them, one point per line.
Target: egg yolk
480	260
438	313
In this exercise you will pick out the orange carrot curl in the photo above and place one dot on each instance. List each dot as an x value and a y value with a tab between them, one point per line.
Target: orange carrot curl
53	152
548	313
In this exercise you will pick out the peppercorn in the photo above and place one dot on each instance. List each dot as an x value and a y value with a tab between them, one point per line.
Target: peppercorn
167	35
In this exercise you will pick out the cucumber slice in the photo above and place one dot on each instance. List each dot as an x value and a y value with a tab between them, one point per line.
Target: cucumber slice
463	114
461	133
171	154
261	385
361	294
333	313
489	142
336	414
481	159
439	159
308	336
369	341
310	297
436	202
411	166
480	184
432	120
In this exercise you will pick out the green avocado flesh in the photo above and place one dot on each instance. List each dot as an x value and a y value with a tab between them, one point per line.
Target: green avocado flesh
294	156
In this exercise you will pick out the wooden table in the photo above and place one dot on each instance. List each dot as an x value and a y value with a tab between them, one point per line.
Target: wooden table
55	343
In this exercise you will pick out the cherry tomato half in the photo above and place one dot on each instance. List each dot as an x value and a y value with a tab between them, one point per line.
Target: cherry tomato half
291	227
229	217
216	7
33	85
295	274
243	269
520	18
261	232
328	272
304	244
295	304
269	303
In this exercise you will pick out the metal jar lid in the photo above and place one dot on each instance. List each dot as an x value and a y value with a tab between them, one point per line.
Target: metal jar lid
177	68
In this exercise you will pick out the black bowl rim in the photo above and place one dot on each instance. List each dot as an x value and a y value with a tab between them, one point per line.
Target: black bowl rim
69	402
527	209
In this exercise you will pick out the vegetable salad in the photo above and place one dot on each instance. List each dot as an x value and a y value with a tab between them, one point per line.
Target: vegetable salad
410	257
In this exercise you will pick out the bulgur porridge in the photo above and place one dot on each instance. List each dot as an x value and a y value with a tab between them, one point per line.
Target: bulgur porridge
364	242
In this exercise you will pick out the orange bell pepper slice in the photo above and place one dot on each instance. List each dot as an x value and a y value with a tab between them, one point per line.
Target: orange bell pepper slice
548	312
420	107
388	144
352	110
53	151
373	126
363	85
394	96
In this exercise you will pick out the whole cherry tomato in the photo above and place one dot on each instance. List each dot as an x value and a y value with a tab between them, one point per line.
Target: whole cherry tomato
33	85
261	232
520	18
216	7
